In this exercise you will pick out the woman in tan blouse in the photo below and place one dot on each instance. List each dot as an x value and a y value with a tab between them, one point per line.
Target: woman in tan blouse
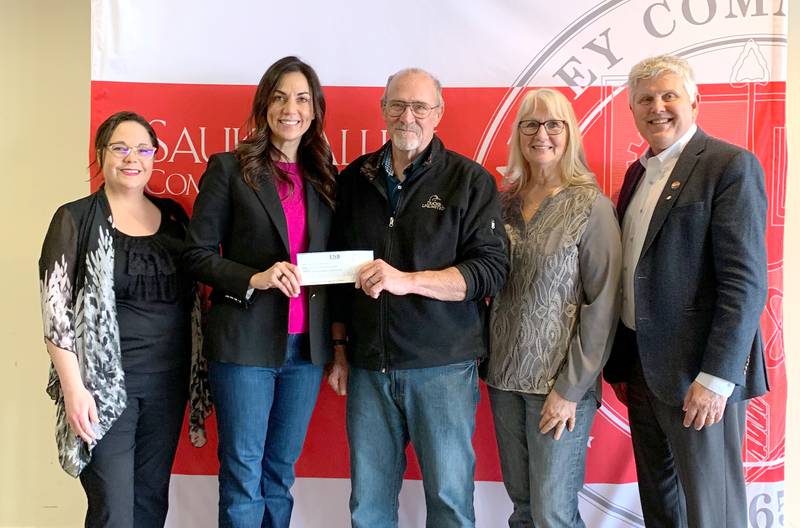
553	323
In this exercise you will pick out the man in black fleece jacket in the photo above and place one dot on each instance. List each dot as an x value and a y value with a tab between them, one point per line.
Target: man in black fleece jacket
410	334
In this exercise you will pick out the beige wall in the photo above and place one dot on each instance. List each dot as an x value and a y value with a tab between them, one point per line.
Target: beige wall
44	110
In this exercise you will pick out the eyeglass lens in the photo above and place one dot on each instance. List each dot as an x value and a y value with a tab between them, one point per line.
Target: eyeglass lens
551	126
418	108
121	150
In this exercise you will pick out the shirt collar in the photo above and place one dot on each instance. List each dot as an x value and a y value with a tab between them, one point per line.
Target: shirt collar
673	151
386	162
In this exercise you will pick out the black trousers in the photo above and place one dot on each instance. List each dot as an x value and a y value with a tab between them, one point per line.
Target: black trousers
687	478
127	480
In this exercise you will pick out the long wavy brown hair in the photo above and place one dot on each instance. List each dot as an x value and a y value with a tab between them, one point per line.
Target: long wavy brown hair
257	155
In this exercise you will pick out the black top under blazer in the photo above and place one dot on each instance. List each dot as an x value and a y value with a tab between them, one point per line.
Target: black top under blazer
701	280
234	233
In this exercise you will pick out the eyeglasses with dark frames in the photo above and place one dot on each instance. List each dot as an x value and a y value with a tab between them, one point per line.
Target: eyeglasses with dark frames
530	127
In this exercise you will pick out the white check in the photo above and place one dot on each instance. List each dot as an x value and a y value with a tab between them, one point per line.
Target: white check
331	267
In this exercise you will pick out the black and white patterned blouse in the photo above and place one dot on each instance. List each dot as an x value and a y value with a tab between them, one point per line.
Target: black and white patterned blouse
76	279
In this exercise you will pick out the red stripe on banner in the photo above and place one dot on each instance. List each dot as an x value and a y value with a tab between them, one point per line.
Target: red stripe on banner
194	121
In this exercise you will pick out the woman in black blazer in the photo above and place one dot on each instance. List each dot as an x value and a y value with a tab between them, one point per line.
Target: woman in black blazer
267	338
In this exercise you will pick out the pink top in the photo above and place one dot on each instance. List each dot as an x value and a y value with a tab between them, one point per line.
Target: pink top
294	208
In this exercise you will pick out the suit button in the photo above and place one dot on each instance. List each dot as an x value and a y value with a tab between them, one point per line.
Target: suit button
313	295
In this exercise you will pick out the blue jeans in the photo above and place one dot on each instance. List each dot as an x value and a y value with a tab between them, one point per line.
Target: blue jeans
434	408
262	418
542	475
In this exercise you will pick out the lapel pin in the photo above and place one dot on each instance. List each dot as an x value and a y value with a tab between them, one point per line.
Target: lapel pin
674	185
669	197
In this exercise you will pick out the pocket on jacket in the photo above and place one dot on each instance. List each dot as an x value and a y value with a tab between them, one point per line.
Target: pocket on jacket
700	307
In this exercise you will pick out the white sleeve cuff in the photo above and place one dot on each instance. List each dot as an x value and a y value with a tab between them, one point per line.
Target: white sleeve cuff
249	293
720	386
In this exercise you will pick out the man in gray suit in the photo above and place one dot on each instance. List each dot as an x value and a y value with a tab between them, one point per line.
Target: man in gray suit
688	354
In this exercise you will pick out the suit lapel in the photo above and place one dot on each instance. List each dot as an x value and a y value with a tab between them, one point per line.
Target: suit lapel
632	178
267	194
675	184
312	214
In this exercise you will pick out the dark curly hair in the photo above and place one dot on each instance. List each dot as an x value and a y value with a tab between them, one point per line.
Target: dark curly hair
257	154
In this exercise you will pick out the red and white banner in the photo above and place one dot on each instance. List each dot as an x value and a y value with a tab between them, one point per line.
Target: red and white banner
191	68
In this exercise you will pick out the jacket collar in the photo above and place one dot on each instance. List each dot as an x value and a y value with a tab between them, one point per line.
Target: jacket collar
673	151
683	170
267	194
373	164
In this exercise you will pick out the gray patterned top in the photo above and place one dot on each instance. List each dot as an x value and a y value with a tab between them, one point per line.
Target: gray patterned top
553	323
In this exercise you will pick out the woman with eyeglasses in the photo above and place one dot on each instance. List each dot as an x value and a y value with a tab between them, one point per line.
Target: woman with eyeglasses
118	316
268	336
553	323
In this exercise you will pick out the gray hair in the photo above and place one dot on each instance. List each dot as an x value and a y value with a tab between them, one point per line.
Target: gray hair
420	71
652	67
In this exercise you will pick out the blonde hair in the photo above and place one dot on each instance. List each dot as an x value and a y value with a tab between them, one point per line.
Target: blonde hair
652	67
573	167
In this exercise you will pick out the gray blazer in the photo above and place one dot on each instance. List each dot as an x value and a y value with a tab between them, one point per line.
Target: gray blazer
701	280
